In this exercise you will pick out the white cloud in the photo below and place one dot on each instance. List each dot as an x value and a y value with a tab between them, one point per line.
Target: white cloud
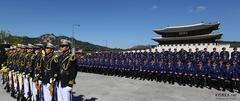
154	7
198	9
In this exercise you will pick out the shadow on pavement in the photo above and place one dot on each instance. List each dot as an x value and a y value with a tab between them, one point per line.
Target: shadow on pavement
81	98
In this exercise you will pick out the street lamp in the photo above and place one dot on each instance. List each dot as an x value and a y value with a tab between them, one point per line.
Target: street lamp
73	43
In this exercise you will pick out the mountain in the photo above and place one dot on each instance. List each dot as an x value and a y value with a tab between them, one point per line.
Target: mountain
85	46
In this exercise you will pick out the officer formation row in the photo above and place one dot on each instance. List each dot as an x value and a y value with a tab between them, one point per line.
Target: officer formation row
36	73
213	69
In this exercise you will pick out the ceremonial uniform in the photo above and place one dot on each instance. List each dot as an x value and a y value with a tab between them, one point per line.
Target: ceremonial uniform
200	75
68	72
214	56
179	72
50	73
205	55
214	74
228	75
197	55
37	92
169	67
224	55
235	54
189	74
237	71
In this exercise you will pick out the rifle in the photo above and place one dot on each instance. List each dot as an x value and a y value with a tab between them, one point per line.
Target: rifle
18	89
29	90
7	82
13	80
38	87
51	87
22	90
41	92
53	90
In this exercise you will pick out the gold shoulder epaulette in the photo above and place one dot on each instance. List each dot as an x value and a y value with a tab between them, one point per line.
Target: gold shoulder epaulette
72	57
32	57
55	58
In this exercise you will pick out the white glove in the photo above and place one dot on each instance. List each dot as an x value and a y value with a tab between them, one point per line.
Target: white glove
68	88
39	81
48	85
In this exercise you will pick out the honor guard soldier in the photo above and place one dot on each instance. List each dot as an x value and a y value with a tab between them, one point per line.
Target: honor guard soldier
28	69
15	69
50	72
36	72
68	71
22	79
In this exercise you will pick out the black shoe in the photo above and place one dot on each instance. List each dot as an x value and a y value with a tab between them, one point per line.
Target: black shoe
23	99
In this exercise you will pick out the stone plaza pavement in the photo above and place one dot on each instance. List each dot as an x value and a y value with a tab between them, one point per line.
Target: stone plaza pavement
94	87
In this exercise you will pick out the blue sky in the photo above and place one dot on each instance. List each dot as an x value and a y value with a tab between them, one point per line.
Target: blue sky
124	23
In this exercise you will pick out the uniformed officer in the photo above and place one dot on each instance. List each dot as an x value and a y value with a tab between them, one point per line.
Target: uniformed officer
175	55
169	54
169	67
235	54
237	71
197	55
224	55
190	54
200	74
143	70
214	75
189	73
205	55
160	69
228	77
68	71
136	69
50	72
153	70
156	55
214	56
234	67
178	72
